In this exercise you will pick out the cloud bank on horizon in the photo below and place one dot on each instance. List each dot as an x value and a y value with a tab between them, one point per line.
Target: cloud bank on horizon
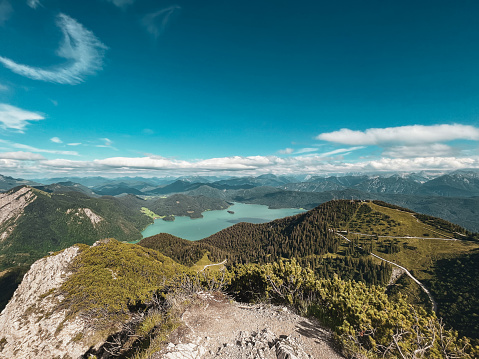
406	155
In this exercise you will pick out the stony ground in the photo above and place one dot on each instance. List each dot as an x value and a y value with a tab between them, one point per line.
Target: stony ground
216	327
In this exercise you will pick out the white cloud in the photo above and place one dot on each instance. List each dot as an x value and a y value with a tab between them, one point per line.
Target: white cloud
3	87
155	23
21	156
15	118
409	135
420	163
430	150
33	3
74	144
122	3
67	164
5	11
235	163
56	140
80	46
286	151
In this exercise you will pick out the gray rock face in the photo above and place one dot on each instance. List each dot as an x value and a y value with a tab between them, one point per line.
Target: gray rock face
262	345
12	205
29	328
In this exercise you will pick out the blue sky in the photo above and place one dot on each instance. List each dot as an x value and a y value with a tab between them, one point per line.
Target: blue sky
157	88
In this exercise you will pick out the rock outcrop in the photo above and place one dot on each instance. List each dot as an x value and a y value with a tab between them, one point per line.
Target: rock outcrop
29	325
12	205
86	213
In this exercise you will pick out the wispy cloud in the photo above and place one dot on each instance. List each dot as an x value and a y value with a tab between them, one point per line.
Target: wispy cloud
3	87
80	46
15	118
286	151
306	150
156	22
340	151
21	156
56	140
74	144
35	149
122	3
29	148
408	135
33	3
107	141
310	150
5	11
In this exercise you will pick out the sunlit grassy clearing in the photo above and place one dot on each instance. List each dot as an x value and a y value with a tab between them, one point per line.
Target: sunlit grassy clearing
149	213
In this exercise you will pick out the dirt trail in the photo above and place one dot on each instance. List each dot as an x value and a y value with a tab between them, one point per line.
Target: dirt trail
423	287
216	327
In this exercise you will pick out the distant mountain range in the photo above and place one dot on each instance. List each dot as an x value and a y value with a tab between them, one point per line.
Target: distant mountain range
463	183
453	196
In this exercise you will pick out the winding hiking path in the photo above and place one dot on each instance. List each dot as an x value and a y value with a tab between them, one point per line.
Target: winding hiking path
405	237
433	302
213	264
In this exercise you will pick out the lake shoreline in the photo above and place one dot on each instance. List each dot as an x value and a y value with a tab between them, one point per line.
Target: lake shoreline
217	220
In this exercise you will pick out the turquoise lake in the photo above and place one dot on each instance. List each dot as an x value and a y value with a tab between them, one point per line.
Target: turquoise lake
214	221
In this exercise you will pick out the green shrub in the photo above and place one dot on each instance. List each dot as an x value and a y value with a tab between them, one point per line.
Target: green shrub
362	317
110	277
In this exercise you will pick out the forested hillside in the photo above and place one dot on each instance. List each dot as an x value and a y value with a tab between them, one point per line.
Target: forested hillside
175	205
55	221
